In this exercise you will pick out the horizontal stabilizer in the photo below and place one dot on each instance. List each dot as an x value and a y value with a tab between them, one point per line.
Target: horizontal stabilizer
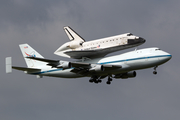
8	65
26	69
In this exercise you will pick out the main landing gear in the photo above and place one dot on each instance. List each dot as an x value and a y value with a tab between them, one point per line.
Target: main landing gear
155	72
97	80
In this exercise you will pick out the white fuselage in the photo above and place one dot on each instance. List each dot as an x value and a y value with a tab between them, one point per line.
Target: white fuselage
79	49
130	61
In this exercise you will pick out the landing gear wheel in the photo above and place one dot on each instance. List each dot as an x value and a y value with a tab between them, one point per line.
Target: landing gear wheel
155	72
108	82
96	81
99	81
109	78
91	81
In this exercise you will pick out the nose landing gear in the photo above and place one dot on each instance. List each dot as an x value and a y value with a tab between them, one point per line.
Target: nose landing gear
109	80
97	80
155	72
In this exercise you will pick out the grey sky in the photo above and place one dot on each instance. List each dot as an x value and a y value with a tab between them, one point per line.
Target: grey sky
40	24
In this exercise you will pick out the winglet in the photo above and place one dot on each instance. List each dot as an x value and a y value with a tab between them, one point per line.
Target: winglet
8	65
72	35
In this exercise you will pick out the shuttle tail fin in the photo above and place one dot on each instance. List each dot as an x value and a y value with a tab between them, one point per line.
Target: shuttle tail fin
72	35
28	51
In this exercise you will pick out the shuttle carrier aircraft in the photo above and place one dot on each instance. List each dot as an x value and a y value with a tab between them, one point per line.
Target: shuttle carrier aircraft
78	48
120	66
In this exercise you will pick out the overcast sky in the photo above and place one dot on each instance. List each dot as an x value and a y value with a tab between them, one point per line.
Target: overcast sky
40	24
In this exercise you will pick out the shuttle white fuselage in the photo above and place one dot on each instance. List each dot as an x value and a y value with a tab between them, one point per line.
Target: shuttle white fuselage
77	48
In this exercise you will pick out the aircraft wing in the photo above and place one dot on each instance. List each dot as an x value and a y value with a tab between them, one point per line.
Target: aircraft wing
56	63
91	69
79	67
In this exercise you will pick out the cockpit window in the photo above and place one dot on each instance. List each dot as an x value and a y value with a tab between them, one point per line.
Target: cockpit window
158	49
129	34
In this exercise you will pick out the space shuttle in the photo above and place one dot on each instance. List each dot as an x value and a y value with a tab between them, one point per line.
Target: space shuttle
78	48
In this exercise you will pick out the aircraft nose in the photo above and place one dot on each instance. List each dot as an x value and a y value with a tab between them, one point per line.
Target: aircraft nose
166	57
169	56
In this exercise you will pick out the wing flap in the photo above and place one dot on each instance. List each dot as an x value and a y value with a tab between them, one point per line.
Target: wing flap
80	64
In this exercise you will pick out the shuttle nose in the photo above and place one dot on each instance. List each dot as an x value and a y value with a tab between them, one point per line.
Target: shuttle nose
137	40
141	40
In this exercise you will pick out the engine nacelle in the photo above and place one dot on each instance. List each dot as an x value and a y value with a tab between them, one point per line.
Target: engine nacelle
64	65
75	44
131	74
97	68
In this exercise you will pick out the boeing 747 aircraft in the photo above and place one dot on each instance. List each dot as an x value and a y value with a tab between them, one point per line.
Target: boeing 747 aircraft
120	66
78	48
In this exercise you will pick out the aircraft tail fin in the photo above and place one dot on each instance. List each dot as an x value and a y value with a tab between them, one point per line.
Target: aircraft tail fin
72	35
28	51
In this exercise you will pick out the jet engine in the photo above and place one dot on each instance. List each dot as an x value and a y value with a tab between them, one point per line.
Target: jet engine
97	68
131	74
64	65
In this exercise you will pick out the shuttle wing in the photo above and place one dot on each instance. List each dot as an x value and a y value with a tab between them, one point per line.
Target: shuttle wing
97	53
86	53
